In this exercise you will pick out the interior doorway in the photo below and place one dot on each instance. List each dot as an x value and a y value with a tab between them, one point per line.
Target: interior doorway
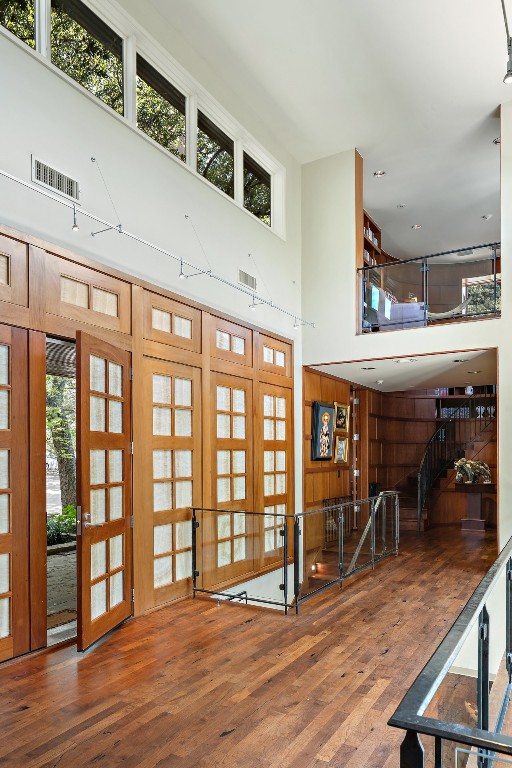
61	548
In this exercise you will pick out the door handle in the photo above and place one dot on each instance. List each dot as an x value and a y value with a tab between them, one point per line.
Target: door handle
87	516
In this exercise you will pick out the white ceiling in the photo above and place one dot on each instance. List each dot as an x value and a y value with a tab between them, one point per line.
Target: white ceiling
415	86
419	372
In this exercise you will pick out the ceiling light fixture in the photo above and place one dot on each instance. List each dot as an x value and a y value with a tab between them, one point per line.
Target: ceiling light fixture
378	174
497	140
369	368
401	205
297	323
508	75
380	381
487	216
402	360
416	226
474	372
461	360
181	275
75	226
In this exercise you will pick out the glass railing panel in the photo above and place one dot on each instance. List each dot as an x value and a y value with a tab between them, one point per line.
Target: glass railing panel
448	286
357	541
233	545
498	675
320	543
456	698
462	285
385	525
393	296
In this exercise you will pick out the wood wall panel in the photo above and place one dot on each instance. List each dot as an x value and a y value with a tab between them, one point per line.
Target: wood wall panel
323	479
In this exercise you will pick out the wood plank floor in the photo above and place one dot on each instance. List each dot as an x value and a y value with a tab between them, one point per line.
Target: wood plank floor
199	685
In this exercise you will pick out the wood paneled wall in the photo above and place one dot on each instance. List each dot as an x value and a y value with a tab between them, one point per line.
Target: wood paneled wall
399	426
323	479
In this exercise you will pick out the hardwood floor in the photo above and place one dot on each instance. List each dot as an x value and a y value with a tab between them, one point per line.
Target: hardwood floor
199	685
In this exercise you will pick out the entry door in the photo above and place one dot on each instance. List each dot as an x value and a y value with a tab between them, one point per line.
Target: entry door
14	480
104	542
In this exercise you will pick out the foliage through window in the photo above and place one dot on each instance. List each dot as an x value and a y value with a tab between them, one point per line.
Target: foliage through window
215	155
481	293
18	17
160	109
257	195
86	49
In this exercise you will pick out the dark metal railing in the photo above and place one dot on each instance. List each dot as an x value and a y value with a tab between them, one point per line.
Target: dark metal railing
361	533
481	619
448	442
404	293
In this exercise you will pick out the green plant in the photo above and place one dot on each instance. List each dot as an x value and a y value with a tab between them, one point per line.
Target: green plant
58	526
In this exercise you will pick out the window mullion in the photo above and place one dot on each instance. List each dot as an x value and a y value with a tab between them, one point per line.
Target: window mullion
130	78
191	129
42	24
239	171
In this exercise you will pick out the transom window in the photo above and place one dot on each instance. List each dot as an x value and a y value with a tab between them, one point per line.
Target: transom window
160	109
18	16
257	190
215	155
88	50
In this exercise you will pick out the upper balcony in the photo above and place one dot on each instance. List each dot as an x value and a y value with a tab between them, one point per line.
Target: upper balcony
459	285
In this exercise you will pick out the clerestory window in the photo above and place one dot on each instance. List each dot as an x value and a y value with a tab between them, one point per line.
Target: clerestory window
160	109
87	50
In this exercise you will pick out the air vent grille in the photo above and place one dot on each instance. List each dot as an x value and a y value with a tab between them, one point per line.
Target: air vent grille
246	279
50	177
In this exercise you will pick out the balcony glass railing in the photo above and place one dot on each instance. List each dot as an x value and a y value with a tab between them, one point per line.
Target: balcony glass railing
456	285
457	711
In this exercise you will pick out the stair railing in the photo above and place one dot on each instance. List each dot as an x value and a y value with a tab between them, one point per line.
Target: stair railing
466	420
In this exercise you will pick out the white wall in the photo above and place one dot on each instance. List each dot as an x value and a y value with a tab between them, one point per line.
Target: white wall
46	115
329	294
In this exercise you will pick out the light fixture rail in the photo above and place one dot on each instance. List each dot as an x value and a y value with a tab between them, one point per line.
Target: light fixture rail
183	263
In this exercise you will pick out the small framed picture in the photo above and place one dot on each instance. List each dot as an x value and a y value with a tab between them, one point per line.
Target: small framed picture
341	450
322	431
341	417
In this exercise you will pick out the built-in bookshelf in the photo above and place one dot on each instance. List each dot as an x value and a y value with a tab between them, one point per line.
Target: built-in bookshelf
452	402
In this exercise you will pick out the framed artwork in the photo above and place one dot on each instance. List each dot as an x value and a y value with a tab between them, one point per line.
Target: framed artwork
341	417
322	429
341	450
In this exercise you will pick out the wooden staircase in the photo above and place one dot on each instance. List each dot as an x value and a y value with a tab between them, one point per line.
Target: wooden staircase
477	449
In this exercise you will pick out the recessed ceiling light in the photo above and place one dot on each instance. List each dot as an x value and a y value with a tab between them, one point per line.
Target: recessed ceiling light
416	226
380	381
474	371
369	368
487	216
461	360
402	360
497	140
401	205
378	174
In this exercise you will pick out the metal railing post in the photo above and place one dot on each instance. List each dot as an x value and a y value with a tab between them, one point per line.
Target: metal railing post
438	753
285	565
483	678
296	563
508	626
195	572
341	540
412	754
372	532
397	523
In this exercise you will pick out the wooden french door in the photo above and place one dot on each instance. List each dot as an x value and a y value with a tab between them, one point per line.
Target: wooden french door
14	482
104	541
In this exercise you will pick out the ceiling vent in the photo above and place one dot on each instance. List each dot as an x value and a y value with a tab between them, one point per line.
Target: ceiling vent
246	279
55	180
